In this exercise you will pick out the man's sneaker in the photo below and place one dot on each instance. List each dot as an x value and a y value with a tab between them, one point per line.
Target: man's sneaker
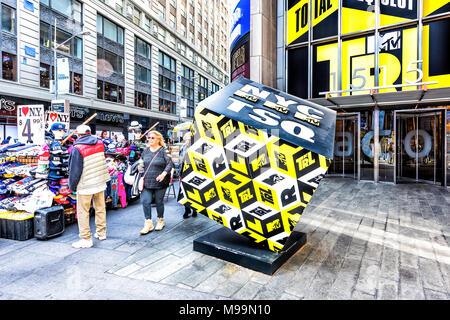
98	237
83	243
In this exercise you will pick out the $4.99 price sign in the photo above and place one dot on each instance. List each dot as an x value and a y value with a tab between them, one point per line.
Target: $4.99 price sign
30	124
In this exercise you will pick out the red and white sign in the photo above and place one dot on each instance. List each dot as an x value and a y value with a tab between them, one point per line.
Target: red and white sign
52	117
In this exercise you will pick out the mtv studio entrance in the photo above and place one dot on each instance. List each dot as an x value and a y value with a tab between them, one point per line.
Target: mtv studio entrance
387	74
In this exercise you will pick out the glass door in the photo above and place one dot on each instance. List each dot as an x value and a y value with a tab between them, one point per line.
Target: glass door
420	147
346	147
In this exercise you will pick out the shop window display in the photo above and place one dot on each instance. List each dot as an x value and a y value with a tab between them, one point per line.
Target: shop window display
45	75
142	100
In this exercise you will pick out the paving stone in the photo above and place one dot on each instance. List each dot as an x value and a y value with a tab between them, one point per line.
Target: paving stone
387	289
368	277
433	295
359	295
251	289
390	264
410	286
431	275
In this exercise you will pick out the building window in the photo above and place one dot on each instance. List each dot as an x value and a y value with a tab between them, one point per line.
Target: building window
187	73
62	6
162	11
167	84
147	24
61	37
74	47
8	19
110	92
142	48
172	20
136	16
142	100
9	69
142	74
77	83
202	88
78	48
110	59
45	75
167	106
69	8
45	35
115	61
109	29
214	88
187	93
167	62
161	34
100	89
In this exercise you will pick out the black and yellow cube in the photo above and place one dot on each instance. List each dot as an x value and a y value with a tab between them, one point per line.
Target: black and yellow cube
257	155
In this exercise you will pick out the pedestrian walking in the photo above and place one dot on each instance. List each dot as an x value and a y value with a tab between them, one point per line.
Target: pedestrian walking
88	175
183	156
156	165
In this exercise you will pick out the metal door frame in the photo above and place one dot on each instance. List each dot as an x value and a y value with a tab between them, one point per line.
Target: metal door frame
424	111
355	116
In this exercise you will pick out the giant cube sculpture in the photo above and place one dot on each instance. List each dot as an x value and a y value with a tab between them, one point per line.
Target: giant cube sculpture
256	157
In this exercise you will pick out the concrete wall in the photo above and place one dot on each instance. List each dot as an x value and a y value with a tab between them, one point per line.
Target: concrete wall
263	44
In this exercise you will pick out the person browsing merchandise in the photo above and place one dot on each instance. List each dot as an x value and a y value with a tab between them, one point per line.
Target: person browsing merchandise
88	175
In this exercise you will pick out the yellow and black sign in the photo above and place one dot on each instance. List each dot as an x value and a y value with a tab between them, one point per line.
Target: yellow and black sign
399	61
357	15
324	17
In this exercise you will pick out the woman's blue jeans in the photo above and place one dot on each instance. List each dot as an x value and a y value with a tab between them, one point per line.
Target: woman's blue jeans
148	195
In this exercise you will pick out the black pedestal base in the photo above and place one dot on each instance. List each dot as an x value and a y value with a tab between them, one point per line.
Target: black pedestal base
232	247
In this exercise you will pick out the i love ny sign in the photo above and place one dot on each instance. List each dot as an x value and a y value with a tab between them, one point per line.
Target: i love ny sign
52	117
30	124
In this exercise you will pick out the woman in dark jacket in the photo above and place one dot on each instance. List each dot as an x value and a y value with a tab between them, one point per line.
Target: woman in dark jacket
156	179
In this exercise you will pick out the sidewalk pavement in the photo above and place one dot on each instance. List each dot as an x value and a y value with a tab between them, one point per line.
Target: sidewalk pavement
365	241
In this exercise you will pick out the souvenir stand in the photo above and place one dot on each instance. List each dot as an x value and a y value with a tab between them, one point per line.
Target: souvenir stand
32	177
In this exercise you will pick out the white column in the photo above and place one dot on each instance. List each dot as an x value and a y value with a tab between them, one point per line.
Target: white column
129	67
90	51
28	34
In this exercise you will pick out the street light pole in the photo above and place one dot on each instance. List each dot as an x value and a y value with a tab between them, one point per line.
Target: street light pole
55	64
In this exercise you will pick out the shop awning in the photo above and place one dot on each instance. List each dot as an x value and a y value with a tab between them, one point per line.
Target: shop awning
398	98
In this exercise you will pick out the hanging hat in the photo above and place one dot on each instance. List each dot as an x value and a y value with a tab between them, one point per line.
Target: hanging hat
58	126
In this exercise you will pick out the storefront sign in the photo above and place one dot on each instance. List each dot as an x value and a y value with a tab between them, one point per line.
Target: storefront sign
60	105
52	117
78	113
110	117
30	124
8	107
